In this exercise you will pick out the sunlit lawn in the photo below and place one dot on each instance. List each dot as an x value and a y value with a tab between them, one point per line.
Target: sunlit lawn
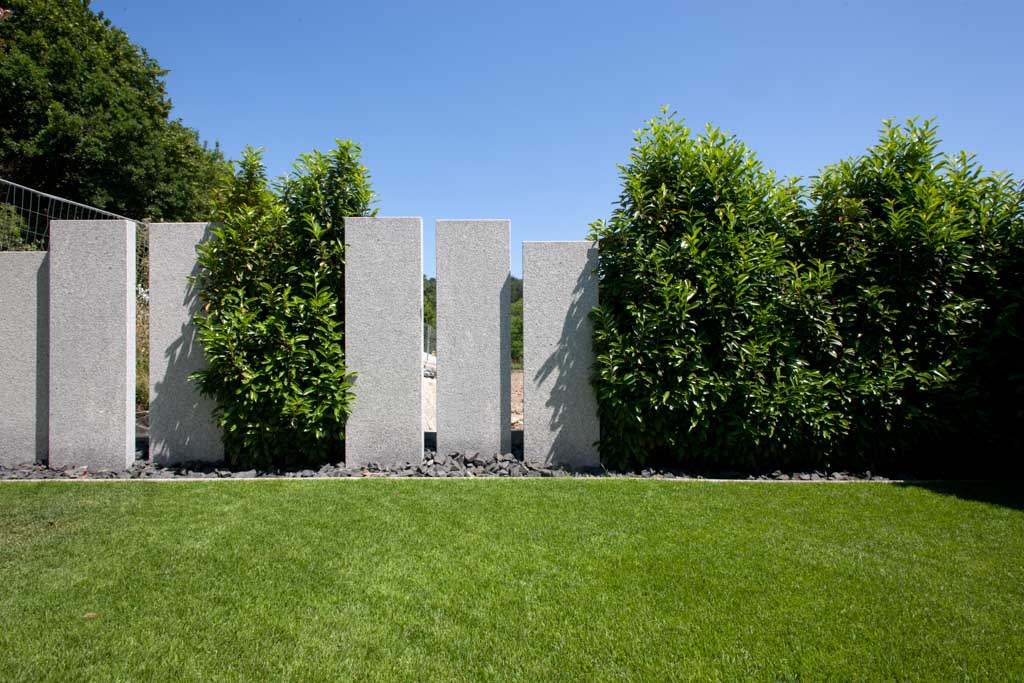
509	580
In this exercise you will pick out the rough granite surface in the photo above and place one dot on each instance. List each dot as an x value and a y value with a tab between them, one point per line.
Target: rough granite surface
384	339
182	428
92	344
473	336
24	356
560	422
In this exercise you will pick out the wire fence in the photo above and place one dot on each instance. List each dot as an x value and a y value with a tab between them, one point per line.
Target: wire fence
25	216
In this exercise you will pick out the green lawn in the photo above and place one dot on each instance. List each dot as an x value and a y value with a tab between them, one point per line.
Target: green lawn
509	580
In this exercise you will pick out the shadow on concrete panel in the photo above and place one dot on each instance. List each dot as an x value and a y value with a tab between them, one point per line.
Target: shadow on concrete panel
181	421
43	362
573	409
505	364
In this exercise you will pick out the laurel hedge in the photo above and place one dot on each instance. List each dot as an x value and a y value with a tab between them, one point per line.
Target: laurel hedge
870	319
272	315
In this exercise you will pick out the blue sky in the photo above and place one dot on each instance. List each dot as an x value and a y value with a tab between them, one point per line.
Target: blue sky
522	110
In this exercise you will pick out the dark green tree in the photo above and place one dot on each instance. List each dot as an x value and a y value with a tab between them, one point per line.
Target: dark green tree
517	322
430	301
874	322
84	114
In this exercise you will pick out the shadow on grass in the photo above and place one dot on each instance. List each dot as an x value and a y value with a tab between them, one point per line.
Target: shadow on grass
1006	493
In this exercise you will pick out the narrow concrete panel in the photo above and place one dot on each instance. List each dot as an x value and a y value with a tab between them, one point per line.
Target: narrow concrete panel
24	356
560	423
384	339
92	344
181	424
474	385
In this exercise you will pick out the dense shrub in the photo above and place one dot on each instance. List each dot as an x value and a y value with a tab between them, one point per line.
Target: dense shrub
698	288
272	318
874	322
993	358
919	243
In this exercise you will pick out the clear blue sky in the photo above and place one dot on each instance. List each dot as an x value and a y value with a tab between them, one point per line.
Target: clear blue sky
522	110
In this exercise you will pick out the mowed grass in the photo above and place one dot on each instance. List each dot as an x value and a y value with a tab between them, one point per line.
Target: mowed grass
509	580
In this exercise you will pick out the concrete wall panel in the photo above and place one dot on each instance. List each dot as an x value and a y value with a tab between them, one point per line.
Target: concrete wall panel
92	344
384	339
24	356
181	424
560	423
474	386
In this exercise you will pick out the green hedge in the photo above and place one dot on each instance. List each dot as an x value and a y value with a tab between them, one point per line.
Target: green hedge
272	320
871	320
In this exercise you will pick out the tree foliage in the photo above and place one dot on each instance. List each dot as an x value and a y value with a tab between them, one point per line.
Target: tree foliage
746	322
517	328
272	317
84	114
430	301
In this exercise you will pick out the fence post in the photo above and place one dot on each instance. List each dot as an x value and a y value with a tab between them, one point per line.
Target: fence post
181	424
384	339
24	356
560	422
474	384
92	344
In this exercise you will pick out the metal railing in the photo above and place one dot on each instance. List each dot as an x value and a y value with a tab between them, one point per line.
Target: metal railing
25	216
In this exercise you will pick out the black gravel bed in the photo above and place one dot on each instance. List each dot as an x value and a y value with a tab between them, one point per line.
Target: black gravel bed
434	465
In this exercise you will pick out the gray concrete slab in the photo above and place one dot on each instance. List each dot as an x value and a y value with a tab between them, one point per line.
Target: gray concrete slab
181	423
474	384
24	356
560	422
92	344
384	339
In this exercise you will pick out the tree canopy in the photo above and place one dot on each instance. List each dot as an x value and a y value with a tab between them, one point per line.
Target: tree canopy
84	114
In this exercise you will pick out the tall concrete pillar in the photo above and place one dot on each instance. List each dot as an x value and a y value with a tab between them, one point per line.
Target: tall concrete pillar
181	423
560	423
92	344
24	356
384	339
474	386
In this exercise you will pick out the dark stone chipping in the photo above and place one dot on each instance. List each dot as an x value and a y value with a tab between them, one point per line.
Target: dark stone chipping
453	465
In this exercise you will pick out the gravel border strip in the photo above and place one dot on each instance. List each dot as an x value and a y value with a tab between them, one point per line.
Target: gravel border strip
434	466
692	480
